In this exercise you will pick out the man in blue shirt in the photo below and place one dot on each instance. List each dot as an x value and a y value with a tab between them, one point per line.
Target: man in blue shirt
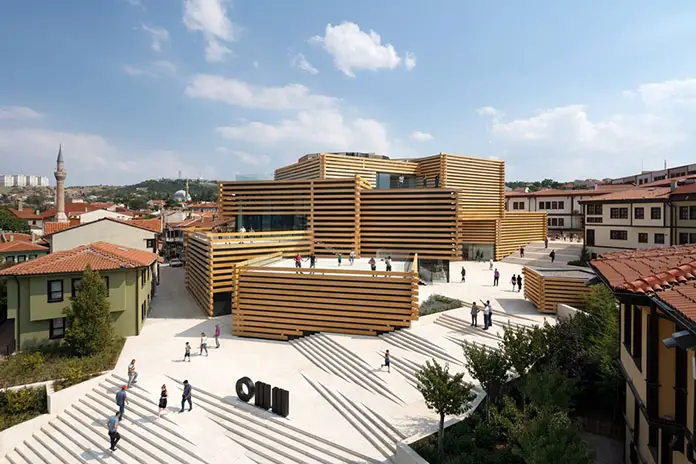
121	401
186	396
112	425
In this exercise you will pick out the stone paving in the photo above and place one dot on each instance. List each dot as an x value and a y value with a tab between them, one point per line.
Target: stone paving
343	407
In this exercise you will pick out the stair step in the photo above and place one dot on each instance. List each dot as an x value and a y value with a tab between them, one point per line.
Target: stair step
54	447
15	458
39	450
63	439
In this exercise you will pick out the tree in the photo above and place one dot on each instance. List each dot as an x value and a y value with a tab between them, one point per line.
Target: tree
549	389
10	223
489	367
137	203
447	394
552	437
89	328
522	349
566	346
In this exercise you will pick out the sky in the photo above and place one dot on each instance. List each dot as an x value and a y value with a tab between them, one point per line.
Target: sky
140	89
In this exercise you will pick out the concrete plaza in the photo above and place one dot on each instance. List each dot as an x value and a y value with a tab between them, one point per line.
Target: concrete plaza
343	407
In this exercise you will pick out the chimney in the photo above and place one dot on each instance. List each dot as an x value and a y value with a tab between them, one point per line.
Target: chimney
673	186
20	204
596	186
12	238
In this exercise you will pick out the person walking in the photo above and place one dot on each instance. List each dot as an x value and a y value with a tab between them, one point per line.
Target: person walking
187	353
339	257
373	264
217	335
387	262
552	255
463	274
490	264
312	261
112	426
519	282
425	181
387	362
132	375
204	344
514	281
546	242
496	277
163	400
298	263
474	314
486	314
186	396
521	252
351	257
437	181
121	401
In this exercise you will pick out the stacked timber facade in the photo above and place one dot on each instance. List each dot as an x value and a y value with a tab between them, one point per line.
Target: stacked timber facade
441	208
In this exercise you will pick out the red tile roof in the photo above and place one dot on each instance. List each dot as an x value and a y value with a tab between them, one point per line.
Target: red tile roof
71	209
667	182
19	246
152	225
685	189
26	213
638	193
53	227
100	256
12	236
559	193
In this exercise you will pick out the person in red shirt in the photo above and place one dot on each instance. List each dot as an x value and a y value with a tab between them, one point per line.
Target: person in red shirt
298	262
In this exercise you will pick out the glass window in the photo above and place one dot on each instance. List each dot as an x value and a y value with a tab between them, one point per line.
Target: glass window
55	291
57	328
76	285
659	238
150	243
32	256
561	205
655	212
692	238
642	237
683	212
554	205
106	283
618	235
683	238
692	212
637	336
618	213
638	213
541	205
561	221
628	325
10	259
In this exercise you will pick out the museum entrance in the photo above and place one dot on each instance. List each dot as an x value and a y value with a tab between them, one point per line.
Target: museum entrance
478	252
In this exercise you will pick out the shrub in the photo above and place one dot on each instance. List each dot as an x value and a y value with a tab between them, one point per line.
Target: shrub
30	362
438	303
24	400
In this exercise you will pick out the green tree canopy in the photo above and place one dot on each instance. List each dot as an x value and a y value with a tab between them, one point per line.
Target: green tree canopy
10	223
489	367
550	389
89	328
443	392
552	437
523	348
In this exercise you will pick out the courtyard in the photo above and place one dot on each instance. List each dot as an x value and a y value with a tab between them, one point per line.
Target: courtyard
343	407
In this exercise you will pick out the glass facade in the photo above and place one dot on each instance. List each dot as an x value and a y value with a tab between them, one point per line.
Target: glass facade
386	180
433	271
272	222
477	252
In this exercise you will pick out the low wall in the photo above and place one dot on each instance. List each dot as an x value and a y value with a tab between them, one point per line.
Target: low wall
60	400
15	436
564	311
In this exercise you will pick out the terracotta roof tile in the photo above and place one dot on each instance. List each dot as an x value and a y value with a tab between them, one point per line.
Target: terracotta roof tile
100	256
71	209
667	182
25	213
682	299
12	236
578	192
53	227
638	193
19	246
152	225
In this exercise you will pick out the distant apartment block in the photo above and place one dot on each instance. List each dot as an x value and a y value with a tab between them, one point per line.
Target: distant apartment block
652	176
21	180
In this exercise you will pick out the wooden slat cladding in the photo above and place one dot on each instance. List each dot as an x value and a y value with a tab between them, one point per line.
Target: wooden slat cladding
518	229
480	183
408	221
279	303
199	271
265	197
341	167
308	169
477	232
546	292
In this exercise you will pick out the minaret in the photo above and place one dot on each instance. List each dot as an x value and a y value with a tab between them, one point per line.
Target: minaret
188	196
60	188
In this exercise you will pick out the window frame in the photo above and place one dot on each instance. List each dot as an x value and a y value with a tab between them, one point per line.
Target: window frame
49	293
683	213
623	235
683	238
561	222
561	205
637	343
554	205
150	243
692	212
621	213
51	329
642	237
655	213
627	326
661	240
639	213
73	288
106	284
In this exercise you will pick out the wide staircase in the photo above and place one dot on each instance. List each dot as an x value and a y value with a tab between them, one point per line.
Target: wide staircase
537	255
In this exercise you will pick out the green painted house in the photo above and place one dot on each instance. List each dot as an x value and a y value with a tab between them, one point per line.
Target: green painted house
38	291
18	251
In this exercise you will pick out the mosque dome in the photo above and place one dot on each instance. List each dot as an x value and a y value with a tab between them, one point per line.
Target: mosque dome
180	195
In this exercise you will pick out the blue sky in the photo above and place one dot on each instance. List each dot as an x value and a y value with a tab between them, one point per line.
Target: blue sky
136	89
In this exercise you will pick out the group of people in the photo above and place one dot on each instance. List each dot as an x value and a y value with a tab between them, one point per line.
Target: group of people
298	259
487	314
122	400
516	282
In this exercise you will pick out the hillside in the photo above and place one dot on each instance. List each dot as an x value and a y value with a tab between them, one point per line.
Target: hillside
153	189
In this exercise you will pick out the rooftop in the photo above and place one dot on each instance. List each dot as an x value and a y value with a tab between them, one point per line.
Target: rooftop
153	225
12	236
638	193
100	256
566	273
19	246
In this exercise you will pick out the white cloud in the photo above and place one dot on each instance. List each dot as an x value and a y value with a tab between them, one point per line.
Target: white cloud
210	18
18	112
246	158
299	61
352	48
317	130
159	35
89	158
487	111
584	144
136	3
419	136
240	93
410	60
154	70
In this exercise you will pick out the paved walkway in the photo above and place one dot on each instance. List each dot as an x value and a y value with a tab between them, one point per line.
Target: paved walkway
343	407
